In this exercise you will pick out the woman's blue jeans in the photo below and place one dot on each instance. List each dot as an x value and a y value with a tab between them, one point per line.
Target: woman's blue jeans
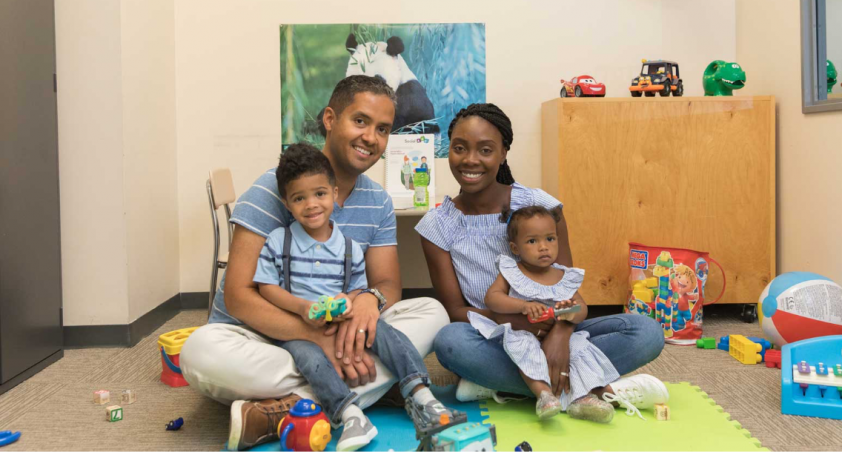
629	341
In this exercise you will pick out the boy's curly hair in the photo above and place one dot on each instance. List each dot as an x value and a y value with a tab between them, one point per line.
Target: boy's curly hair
512	218
302	159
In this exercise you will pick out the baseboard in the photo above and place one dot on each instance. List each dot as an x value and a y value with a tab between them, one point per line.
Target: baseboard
131	334
38	367
194	300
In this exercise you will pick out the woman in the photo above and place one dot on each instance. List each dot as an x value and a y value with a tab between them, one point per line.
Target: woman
461	240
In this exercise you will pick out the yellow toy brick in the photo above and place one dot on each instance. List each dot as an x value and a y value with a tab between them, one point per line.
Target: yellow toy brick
102	397
662	412
642	293
744	350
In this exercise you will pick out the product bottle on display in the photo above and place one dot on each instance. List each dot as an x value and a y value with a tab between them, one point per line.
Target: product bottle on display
421	179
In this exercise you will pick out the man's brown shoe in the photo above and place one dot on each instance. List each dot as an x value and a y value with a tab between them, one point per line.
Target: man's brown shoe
254	423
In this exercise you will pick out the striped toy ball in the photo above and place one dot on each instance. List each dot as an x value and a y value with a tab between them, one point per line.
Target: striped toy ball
800	305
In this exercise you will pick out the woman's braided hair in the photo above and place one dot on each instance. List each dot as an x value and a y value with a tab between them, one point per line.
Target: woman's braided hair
498	119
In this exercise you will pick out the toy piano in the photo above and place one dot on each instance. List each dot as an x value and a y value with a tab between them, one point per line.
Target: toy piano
811	377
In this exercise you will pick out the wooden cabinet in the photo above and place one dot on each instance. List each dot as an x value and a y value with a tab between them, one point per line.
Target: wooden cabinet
687	172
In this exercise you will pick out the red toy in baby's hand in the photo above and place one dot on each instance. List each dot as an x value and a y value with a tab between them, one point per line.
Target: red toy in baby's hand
551	313
305	428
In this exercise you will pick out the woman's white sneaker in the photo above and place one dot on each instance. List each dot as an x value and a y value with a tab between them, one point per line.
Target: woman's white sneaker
638	392
468	391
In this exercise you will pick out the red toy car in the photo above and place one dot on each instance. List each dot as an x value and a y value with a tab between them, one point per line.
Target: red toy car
583	85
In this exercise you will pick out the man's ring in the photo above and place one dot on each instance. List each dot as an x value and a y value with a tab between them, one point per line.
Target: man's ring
362	331
564	374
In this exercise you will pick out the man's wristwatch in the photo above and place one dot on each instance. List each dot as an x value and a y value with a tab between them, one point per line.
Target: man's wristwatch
381	300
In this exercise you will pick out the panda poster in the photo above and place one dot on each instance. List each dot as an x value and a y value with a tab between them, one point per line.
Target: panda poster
435	70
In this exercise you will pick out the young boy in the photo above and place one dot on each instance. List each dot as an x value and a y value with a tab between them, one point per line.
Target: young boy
319	264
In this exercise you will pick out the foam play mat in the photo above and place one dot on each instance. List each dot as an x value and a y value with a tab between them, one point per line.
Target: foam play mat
394	428
696	423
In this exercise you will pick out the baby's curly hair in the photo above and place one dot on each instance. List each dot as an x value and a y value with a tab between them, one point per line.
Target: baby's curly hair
513	217
302	159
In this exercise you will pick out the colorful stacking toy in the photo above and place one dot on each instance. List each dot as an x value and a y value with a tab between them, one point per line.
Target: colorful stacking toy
170	348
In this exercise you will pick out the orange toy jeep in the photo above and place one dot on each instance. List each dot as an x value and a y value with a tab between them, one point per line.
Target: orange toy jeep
657	76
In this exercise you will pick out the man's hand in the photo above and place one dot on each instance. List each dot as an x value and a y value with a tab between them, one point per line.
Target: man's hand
351	339
354	373
557	349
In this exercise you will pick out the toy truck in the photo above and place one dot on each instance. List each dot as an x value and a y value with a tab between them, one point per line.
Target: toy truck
450	434
657	76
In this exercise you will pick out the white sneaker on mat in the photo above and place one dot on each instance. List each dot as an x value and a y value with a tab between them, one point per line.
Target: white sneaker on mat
468	391
638	392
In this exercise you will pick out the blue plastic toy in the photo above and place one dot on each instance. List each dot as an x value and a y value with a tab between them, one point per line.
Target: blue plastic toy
7	437
175	424
523	447
811	377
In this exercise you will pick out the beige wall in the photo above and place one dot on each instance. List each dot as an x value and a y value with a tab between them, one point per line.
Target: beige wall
809	146
149	153
228	80
117	158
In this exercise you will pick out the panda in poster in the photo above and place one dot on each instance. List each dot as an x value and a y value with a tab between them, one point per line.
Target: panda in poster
386	62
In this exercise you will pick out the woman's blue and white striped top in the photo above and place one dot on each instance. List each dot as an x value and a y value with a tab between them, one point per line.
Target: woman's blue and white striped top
475	241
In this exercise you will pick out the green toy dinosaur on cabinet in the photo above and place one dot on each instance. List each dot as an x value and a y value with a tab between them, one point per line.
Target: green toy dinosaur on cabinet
722	78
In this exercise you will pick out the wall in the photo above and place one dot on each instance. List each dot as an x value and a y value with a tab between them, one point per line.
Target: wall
90	125
809	151
228	80
117	158
149	153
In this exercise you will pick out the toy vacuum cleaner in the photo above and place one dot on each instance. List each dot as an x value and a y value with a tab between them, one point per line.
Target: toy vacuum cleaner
305	427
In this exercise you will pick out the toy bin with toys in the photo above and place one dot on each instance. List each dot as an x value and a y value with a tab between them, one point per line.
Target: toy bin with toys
668	284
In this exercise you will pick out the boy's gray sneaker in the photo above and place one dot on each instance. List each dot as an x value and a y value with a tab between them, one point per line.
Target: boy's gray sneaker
433	411
357	433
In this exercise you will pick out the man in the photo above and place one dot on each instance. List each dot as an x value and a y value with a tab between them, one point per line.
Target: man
233	359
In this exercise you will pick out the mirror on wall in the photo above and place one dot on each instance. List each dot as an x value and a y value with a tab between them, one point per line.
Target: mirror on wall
821	55
834	48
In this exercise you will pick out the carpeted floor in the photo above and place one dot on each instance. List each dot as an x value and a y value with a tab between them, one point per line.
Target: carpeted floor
54	409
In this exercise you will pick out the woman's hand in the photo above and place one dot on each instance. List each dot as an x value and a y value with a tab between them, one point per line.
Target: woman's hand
533	309
556	347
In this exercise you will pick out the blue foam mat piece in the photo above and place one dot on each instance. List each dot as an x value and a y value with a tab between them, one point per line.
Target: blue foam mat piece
394	427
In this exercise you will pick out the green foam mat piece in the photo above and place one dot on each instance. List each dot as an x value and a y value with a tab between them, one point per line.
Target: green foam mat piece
696	423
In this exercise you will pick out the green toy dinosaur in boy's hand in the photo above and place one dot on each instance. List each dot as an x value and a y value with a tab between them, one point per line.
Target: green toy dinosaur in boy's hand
327	307
722	78
831	76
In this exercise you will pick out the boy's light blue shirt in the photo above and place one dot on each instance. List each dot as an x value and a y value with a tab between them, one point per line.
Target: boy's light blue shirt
316	268
367	217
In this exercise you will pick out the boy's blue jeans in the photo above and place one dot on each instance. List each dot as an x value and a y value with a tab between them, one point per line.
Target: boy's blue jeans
394	349
628	340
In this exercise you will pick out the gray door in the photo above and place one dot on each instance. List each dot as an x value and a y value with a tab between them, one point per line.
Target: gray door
30	259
